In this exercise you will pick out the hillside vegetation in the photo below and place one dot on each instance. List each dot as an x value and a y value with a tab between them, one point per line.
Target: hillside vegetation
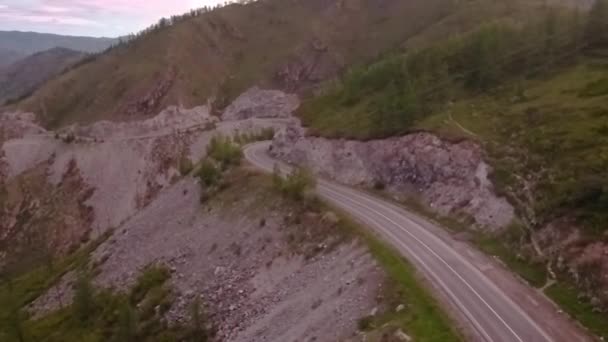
496	84
535	96
216	55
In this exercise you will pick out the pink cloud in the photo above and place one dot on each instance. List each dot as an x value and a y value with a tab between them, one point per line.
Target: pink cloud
114	17
134	7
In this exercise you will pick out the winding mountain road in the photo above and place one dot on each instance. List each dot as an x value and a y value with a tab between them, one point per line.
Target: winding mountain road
497	312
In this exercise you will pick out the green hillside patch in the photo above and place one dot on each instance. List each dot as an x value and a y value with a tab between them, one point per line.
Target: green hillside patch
391	96
528	93
547	133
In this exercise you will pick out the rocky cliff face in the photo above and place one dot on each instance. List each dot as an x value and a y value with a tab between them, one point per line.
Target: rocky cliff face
260	103
451	178
574	255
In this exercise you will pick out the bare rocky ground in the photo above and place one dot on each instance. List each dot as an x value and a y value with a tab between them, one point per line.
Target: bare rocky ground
261	104
258	283
264	270
126	163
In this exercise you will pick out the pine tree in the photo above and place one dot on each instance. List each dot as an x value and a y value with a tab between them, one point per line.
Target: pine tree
199	332
597	24
84	303
127	323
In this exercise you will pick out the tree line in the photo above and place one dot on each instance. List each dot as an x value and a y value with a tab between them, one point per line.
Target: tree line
400	89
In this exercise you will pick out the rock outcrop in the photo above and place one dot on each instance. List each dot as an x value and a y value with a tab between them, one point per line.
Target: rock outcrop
574	255
260	103
451	178
307	67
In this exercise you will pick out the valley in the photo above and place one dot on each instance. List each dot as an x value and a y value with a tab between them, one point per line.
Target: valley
319	170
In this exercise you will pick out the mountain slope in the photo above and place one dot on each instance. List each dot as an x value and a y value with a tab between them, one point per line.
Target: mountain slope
292	45
532	100
23	76
8	56
27	43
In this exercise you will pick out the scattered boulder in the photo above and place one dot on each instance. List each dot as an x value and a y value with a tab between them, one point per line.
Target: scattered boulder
401	336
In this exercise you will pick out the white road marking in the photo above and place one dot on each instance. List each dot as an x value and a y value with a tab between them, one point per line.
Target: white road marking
350	194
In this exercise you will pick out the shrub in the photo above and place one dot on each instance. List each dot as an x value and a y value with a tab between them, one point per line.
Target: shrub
224	151
126	329
295	185
151	277
198	328
84	302
209	174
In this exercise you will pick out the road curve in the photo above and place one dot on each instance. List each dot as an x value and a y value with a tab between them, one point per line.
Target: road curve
493	315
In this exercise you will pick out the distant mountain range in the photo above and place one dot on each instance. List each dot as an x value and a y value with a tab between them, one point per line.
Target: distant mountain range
22	77
15	45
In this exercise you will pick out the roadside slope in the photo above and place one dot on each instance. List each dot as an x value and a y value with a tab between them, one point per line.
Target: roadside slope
495	310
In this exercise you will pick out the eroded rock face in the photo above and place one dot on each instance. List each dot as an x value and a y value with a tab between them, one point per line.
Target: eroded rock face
127	163
575	255
259	103
451	178
38	218
151	100
310	64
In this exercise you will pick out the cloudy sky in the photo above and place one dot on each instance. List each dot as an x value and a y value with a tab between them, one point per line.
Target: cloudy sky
108	18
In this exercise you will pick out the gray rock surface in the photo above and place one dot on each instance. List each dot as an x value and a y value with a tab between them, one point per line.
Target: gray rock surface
254	284
451	178
260	103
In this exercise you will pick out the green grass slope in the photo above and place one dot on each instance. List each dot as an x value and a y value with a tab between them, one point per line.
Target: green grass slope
529	92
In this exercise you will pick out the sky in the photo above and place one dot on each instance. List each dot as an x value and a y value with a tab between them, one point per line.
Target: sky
108	18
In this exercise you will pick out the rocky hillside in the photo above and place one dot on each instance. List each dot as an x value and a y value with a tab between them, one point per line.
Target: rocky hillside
24	76
217	55
112	228
507	139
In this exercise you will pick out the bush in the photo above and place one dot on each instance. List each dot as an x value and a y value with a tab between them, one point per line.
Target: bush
198	329
295	185
209	174
126	329
224	151
84	302
151	277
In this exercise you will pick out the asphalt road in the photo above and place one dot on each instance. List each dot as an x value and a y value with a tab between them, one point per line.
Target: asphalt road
492	314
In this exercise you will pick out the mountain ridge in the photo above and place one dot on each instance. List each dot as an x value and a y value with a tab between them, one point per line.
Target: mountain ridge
23	76
31	42
219	54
